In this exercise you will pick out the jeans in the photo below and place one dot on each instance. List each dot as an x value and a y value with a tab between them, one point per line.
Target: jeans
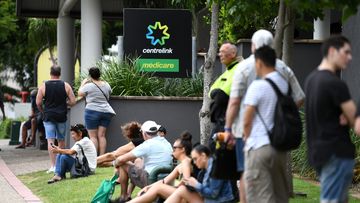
64	163
335	178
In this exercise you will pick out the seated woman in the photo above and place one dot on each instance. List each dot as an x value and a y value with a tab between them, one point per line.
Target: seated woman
131	131
182	148
65	158
210	190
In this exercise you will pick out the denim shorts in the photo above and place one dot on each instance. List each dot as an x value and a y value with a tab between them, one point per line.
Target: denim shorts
55	130
94	119
240	154
335	178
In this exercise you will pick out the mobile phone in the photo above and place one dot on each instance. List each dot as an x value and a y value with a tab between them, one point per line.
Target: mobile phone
52	145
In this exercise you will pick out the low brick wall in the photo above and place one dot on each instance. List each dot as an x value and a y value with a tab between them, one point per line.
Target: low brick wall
176	114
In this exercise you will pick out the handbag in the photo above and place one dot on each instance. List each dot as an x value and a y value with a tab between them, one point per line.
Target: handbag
80	169
105	191
225	163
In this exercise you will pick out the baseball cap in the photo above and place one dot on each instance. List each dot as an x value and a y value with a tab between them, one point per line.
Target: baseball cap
150	127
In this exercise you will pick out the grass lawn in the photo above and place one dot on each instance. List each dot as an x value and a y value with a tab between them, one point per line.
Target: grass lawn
82	189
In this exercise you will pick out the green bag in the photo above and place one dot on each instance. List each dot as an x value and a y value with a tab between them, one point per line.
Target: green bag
105	191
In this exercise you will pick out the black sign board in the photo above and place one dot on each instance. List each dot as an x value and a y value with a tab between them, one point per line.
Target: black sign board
161	38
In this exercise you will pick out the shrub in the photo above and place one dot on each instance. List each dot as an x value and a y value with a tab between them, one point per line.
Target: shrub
126	80
299	157
5	128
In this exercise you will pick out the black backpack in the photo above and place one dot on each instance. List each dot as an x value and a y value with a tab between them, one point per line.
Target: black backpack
287	131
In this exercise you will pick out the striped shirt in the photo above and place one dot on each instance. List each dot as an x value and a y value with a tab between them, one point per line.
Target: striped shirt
262	96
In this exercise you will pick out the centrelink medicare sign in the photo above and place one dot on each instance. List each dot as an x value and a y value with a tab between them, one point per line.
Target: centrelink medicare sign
161	38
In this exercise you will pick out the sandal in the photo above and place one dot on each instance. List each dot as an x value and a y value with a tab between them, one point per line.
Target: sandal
20	147
54	180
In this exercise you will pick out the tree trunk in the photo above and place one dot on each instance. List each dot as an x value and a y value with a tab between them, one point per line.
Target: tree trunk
204	114
288	42
287	48
279	32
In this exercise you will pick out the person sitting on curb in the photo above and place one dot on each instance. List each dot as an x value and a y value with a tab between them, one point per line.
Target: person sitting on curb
163	188
65	158
155	151
131	131
35	122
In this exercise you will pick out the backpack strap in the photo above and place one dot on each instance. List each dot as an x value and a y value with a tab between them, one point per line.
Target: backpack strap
279	94
263	122
276	88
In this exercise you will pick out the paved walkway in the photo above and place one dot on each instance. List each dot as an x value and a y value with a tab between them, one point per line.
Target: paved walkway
17	162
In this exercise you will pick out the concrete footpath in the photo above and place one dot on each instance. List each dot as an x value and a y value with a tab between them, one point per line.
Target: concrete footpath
15	162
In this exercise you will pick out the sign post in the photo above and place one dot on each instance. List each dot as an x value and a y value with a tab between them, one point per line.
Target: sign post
161	38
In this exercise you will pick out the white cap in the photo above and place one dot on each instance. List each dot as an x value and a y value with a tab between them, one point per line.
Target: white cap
150	127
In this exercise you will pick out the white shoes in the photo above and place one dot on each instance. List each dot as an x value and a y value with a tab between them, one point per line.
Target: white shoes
51	170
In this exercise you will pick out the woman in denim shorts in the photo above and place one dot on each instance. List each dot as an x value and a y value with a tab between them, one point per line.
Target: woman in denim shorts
98	111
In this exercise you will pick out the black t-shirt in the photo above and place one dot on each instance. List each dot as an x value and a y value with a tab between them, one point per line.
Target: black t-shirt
325	93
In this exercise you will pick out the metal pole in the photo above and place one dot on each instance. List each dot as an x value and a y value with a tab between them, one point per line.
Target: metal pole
194	57
120	44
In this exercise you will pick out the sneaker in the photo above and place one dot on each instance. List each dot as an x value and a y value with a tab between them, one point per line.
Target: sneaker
51	170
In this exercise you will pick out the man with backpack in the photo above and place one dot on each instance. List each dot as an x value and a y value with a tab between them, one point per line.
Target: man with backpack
265	166
330	112
244	75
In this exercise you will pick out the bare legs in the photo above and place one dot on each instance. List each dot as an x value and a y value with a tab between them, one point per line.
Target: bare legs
24	135
33	131
242	190
51	155
157	189
97	136
102	140
105	160
184	194
124	179
61	144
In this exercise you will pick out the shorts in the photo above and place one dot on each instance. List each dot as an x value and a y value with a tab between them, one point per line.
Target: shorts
27	124
94	119
239	147
55	130
138	176
335	179
265	175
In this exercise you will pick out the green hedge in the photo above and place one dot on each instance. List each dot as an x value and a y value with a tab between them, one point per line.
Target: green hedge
5	128
126	80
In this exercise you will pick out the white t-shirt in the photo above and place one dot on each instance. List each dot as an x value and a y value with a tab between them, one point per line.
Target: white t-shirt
245	74
155	152
261	95
95	99
89	150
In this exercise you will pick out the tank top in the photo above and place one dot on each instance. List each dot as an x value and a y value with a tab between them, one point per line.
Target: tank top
55	101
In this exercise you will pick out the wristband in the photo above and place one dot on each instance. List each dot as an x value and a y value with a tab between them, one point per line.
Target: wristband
227	129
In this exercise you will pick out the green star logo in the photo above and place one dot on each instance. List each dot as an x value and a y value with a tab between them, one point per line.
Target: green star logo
162	39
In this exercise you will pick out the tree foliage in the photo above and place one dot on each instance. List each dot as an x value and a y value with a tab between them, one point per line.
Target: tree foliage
7	19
